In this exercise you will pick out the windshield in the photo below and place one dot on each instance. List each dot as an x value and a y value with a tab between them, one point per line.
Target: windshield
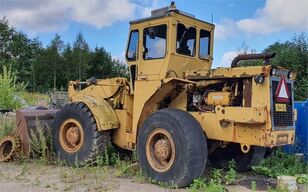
154	42
185	40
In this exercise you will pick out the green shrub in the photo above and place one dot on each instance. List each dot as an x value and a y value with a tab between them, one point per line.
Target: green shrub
216	176
10	90
200	185
7	125
281	164
230	176
253	186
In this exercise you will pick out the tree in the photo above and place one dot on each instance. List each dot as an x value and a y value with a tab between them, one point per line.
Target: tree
120	69
17	51
48	64
55	65
68	61
100	64
55	51
292	54
81	54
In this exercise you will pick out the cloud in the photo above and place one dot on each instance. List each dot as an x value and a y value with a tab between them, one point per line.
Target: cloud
45	15
101	13
277	15
34	15
120	57
225	28
145	11
227	58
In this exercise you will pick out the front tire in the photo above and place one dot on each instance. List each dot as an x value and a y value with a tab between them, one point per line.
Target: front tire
75	135
172	147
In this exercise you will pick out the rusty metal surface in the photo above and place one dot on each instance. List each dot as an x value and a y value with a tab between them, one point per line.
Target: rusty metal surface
247	91
160	150
265	56
222	73
27	120
8	145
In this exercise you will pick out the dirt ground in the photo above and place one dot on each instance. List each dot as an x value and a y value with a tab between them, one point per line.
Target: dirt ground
36	177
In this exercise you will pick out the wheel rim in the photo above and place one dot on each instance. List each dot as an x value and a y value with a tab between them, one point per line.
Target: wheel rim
71	135
160	150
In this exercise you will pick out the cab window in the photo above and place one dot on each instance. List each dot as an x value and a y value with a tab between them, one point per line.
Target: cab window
185	40
132	50
205	37
154	42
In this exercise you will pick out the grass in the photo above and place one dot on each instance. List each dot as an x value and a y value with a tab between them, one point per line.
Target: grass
7	125
34	99
276	190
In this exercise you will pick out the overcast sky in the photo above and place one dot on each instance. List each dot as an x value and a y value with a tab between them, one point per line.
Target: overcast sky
259	23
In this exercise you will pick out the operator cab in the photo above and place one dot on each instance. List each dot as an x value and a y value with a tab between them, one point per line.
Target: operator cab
167	44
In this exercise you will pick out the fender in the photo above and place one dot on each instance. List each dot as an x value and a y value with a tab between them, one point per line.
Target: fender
103	113
167	86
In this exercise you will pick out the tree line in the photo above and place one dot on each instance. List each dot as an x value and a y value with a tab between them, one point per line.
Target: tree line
45	68
53	66
293	55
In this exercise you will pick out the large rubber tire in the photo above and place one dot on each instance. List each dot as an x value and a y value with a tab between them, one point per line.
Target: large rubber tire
243	161
94	142
190	147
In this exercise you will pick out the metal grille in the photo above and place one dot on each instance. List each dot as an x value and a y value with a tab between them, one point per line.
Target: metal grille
282	119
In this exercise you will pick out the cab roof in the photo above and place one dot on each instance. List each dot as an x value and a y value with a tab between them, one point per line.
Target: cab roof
166	12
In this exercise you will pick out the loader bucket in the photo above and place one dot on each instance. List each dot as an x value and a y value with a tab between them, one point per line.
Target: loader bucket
27	120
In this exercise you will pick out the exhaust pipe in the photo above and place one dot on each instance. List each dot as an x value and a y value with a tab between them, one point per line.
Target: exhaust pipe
242	57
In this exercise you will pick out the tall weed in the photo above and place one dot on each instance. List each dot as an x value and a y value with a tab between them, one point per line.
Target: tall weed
10	90
7	125
41	142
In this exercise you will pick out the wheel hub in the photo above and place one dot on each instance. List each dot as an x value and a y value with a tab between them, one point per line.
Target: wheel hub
73	135
162	149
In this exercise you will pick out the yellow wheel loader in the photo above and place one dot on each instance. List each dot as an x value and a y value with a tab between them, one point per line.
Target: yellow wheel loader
176	111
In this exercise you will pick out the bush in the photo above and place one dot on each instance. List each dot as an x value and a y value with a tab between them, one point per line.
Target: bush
216	180
230	176
200	185
7	125
10	91
281	164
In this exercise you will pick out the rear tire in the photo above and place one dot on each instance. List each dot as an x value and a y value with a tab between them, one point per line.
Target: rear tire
243	161
172	147
75	135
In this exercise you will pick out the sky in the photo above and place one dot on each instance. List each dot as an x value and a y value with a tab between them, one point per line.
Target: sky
255	23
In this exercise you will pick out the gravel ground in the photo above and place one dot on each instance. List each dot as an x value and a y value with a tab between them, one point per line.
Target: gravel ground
36	177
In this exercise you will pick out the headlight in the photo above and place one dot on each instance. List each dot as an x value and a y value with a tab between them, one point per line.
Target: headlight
259	79
273	71
290	75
